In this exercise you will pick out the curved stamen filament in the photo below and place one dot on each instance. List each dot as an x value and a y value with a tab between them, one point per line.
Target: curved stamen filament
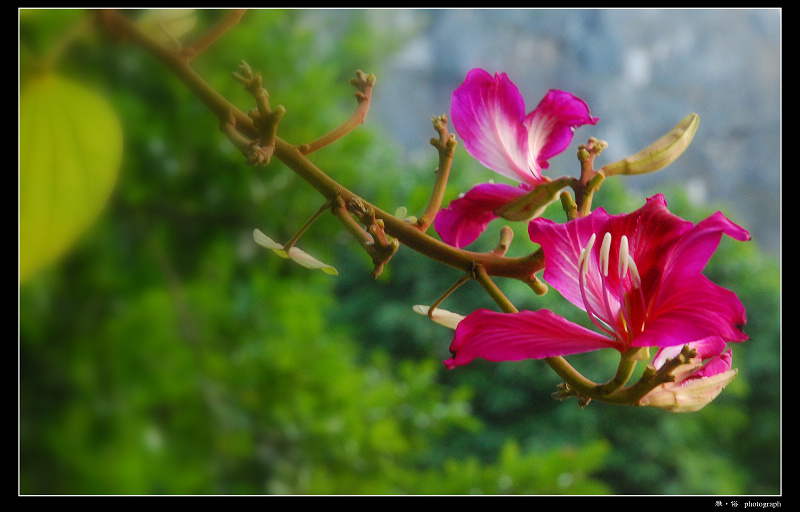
613	313
583	268
602	261
623	264
637	282
610	308
626	263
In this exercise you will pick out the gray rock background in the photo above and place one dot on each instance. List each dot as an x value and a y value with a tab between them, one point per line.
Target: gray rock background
640	70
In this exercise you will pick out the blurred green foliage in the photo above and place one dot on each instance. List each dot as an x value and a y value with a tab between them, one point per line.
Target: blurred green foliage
168	354
65	188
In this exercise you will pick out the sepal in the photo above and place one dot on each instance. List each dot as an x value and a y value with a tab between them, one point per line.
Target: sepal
534	203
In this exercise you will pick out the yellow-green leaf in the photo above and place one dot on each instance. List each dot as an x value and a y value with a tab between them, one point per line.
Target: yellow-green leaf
167	25
70	147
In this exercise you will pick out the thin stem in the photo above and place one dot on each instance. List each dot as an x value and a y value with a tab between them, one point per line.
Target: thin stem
569	206
322	209
264	117
587	193
625	369
522	268
463	279
586	158
351	225
494	292
446	145
253	152
239	141
590	180
576	382
363	83
481	265
231	19
652	378
117	24
571	376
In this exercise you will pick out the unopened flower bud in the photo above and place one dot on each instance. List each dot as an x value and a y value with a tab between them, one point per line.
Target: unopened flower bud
660	153
695	385
440	316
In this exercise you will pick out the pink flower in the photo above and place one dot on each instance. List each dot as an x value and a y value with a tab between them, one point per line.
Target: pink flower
696	384
488	112
639	278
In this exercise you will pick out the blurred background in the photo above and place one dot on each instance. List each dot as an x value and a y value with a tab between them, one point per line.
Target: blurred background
165	353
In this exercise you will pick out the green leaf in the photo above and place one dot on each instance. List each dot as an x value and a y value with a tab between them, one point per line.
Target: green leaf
70	151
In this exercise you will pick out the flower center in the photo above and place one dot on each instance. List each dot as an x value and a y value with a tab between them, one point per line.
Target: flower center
607	296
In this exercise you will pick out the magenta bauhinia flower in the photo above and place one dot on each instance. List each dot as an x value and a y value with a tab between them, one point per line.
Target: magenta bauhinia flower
639	278
488	113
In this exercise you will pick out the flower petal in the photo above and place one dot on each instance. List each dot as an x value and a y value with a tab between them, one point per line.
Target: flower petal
719	364
298	255
562	245
524	335
467	217
552	124
694	249
265	241
696	310
676	304
487	111
306	260
440	316
652	231
706	349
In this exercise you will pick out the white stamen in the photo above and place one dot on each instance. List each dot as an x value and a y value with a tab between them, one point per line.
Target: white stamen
626	263
585	253
610	311
624	257
605	249
583	269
